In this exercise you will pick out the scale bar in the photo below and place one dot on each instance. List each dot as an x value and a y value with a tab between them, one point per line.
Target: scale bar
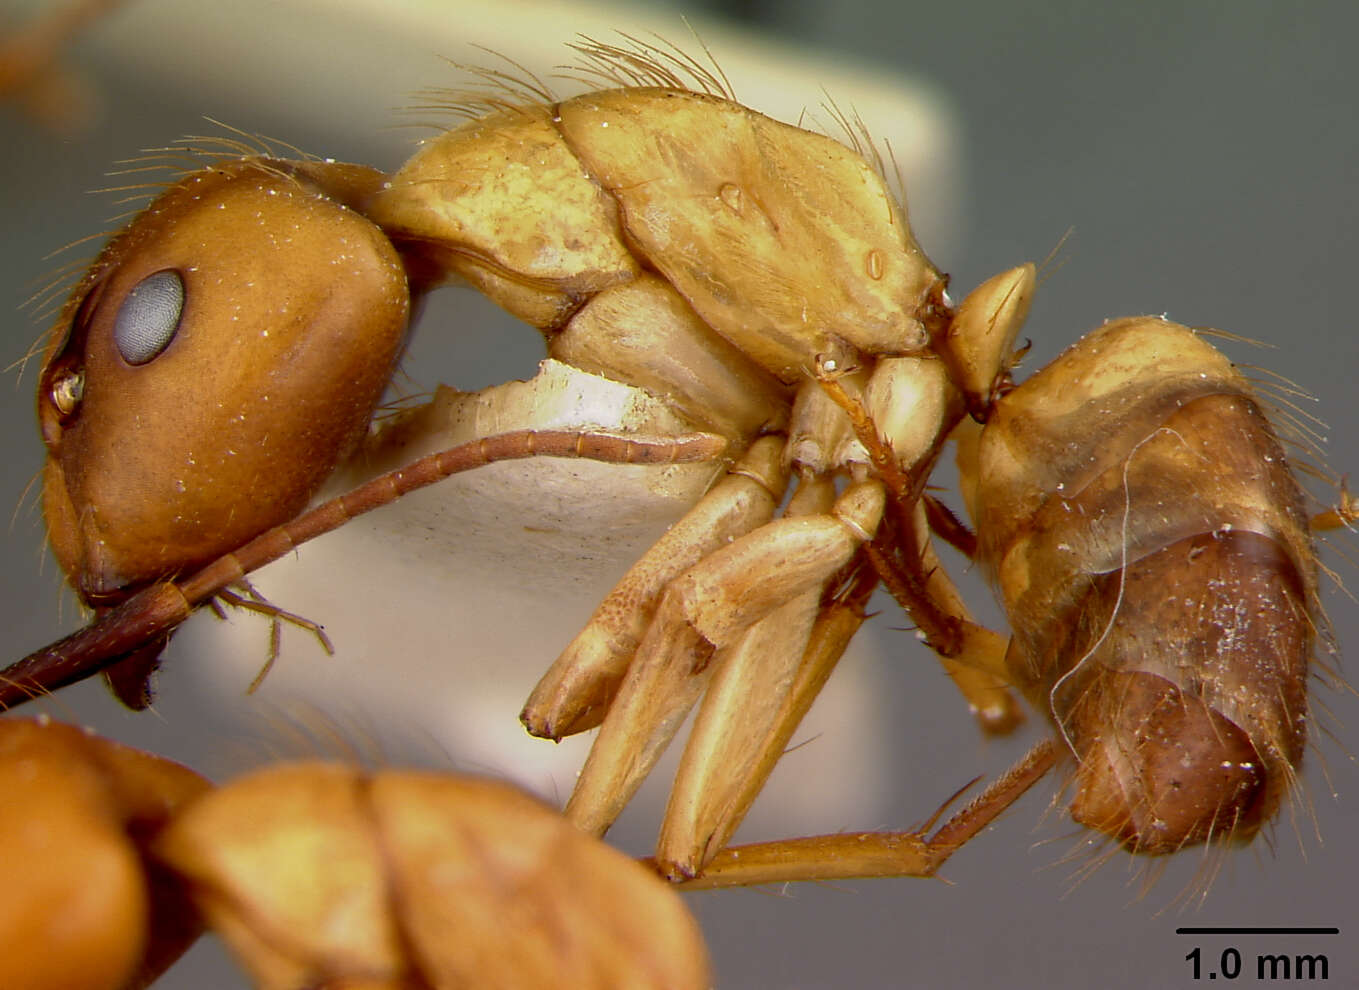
1257	931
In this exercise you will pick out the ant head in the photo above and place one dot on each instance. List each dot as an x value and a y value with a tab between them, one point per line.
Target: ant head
226	349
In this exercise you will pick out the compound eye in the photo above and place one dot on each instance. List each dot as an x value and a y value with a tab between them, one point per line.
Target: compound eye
149	317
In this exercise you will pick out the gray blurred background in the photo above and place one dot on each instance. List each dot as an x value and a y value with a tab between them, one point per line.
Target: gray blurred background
1205	156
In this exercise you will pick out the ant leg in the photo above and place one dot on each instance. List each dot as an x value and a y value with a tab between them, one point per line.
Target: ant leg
747	719
1342	515
703	614
253	601
577	689
904	556
873	854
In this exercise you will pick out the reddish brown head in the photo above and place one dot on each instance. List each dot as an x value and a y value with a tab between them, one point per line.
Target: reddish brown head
224	352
